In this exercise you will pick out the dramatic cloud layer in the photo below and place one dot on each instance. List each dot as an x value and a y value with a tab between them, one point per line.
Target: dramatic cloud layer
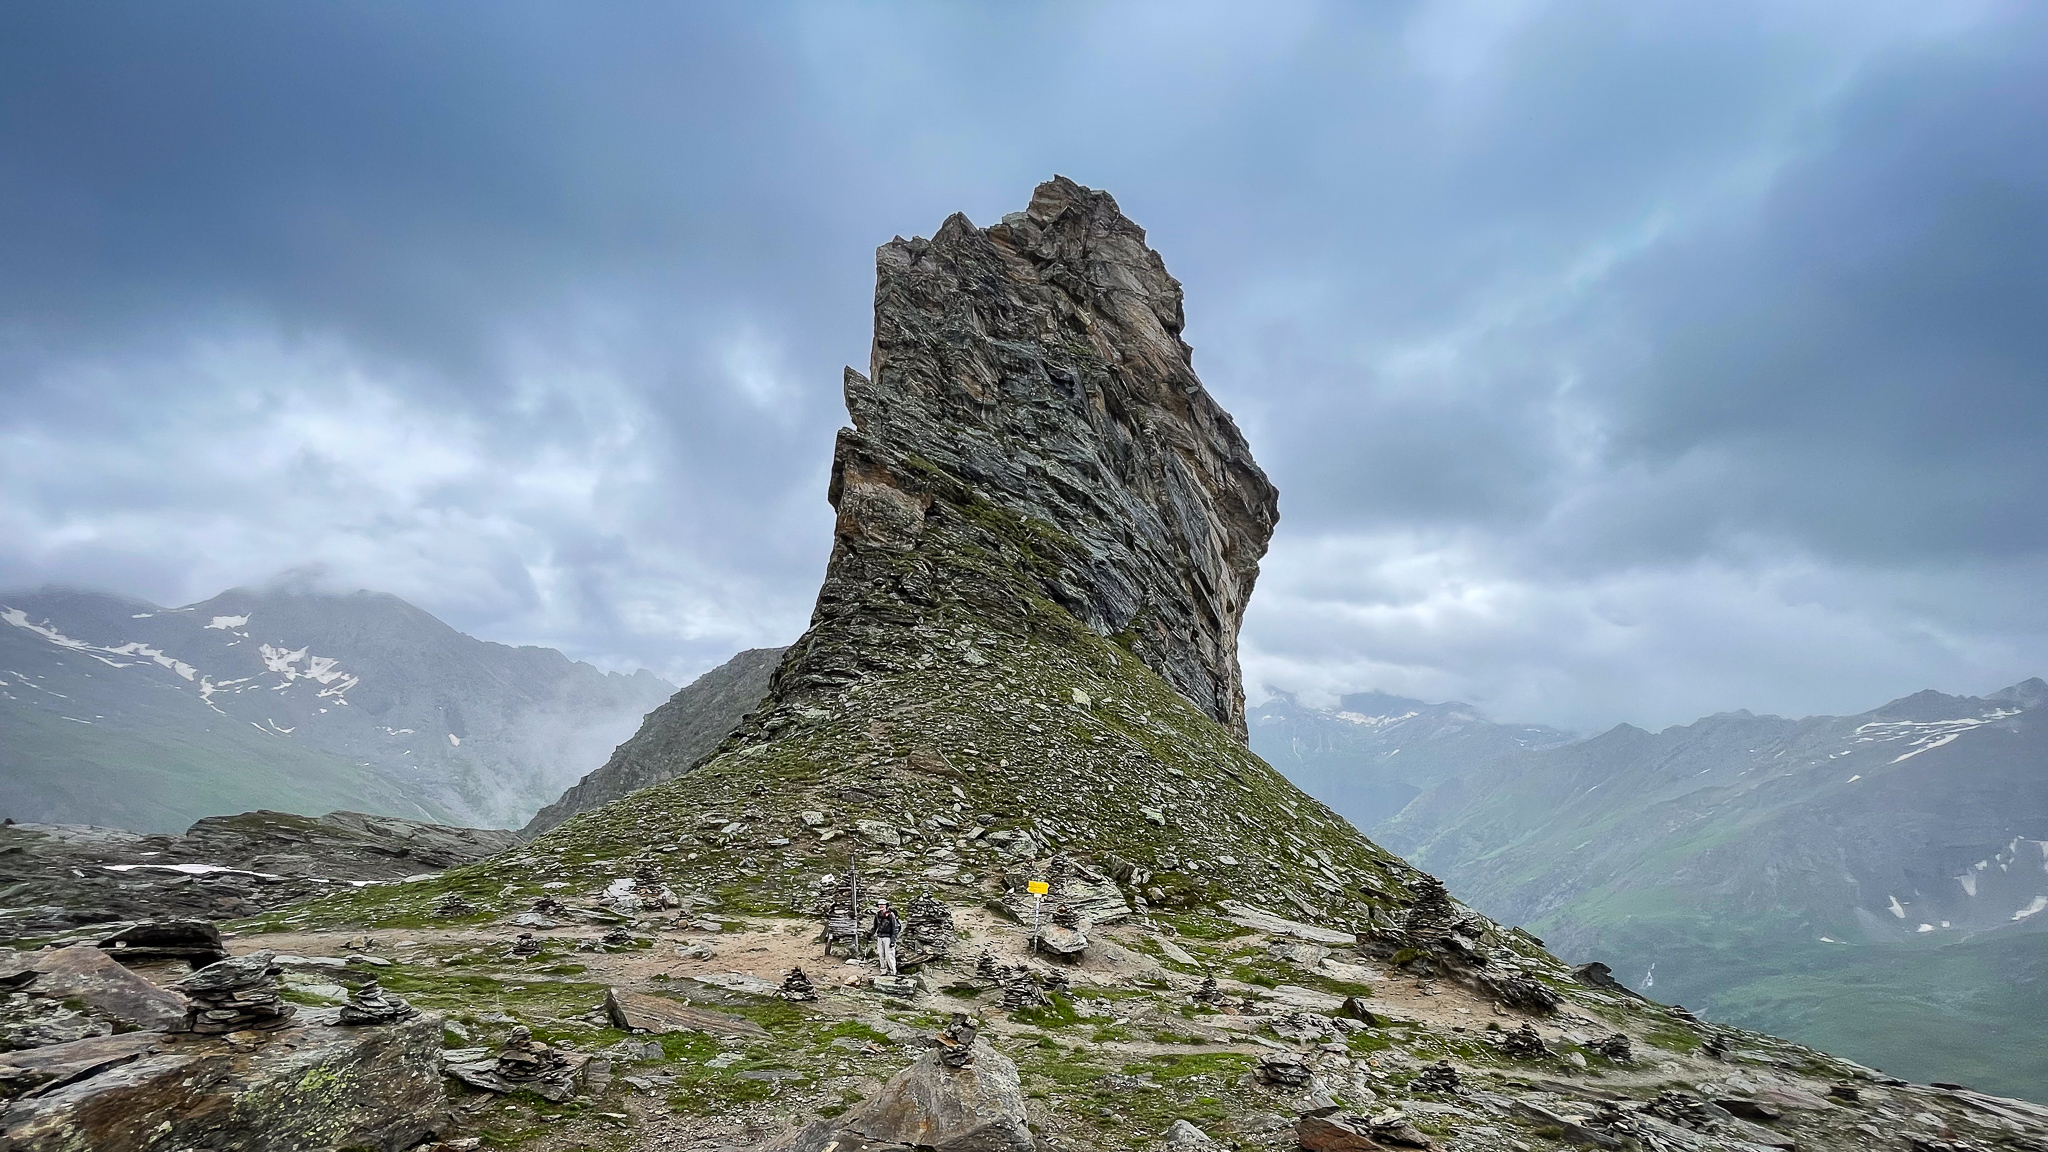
1624	361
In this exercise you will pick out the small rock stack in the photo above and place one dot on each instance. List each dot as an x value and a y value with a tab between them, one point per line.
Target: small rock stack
1523	1044
796	985
236	995
620	937
986	969
1283	1070
370	1004
527	945
1615	1048
1210	994
956	1043
451	905
1056	982
1066	917
1439	1077
928	930
1681	1108
1021	989
549	906
649	888
524	1059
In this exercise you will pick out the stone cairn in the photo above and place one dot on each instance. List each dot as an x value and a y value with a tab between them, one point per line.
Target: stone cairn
928	930
370	1004
1283	1070
524	1059
451	905
648	887
549	906
1066	917
986	969
1523	1044
236	994
1056	982
1615	1048
956	1043
1440	1078
619	937
1681	1108
1021	989
527	945
1210	994
796	985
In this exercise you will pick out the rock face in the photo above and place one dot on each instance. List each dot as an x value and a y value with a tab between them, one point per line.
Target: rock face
977	1106
66	876
1037	366
307	1087
673	737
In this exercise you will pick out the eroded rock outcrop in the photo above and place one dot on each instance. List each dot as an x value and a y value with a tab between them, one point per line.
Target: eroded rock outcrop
1029	389
955	1098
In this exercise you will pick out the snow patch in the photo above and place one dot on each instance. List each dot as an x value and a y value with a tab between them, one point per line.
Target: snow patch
1898	909
1969	882
228	623
2039	902
454	741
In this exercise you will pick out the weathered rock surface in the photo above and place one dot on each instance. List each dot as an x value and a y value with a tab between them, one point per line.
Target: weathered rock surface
639	1012
976	1107
91	978
63	877
672	738
309	1087
1038	365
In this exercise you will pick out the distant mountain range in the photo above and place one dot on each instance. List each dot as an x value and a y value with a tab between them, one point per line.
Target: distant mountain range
122	713
1373	753
1875	884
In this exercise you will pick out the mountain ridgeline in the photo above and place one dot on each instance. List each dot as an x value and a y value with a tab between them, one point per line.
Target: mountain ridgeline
1876	884
123	713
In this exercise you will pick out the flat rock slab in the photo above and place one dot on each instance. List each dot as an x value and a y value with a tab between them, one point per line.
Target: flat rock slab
1238	912
306	1087
89	976
35	1071
639	1012
978	1108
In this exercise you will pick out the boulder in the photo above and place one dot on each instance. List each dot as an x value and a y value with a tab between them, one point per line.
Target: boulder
1349	1132
978	1107
639	1012
310	1086
1182	1136
196	942
89	976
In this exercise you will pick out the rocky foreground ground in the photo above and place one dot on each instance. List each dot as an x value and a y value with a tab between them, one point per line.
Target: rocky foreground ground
591	1016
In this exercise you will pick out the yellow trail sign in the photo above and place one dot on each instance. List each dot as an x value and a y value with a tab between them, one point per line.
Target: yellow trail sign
1038	887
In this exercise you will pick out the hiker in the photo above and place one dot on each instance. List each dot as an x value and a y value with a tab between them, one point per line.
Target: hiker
887	927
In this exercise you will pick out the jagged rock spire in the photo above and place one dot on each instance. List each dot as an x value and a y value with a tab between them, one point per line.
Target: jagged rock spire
1038	365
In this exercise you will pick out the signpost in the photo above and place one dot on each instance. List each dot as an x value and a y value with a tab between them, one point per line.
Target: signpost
1038	889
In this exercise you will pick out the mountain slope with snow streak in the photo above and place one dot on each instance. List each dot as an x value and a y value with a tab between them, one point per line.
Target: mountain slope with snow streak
119	712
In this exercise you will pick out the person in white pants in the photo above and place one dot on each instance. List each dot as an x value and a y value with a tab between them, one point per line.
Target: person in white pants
887	927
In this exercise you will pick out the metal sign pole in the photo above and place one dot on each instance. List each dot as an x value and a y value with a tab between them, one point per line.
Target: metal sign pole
853	869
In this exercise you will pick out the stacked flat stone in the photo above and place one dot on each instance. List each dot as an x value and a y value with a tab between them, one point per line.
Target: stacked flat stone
549	906
236	995
1210	994
1056	982
796	985
956	1043
1283	1070
527	945
1615	1048
1523	1044
928	929
524	1059
986	969
1440	1078
452	904
1021	990
370	1004
620	937
1066	917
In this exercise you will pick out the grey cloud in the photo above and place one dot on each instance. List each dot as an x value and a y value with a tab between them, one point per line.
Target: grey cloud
1593	346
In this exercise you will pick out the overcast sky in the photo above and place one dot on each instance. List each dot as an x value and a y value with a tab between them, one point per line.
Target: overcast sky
1624	361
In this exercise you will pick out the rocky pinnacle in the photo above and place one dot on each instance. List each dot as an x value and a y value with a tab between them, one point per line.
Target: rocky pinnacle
1031	375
